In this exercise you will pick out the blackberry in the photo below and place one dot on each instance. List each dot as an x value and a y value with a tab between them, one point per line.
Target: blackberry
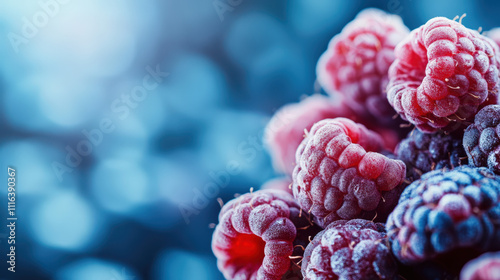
446	211
422	152
481	139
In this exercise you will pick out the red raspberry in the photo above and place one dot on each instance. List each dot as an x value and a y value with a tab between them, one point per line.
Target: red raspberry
443	74
357	61
286	129
486	267
355	249
340	174
256	235
283	183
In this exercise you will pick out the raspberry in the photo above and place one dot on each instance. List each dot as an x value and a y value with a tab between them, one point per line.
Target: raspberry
481	139
256	234
446	211
283	184
340	174
443	74
357	60
486	267
285	131
423	152
355	249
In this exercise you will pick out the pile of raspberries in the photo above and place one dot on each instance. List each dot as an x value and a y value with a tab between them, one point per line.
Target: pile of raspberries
392	174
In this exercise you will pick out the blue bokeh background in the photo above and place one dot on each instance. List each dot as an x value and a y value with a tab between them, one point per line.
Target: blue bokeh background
117	213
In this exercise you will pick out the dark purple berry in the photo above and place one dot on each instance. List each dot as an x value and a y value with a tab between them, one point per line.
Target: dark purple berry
422	152
481	139
446	211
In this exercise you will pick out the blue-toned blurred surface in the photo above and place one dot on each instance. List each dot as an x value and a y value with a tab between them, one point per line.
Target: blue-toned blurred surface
126	120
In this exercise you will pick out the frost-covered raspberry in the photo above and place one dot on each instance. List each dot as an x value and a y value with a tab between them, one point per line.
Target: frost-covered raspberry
486	267
256	235
481	139
286	129
355	249
340	173
422	152
446	211
443	74
357	60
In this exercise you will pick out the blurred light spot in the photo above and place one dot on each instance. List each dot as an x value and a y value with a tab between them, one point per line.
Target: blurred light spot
236	136
48	103
21	106
252	35
120	185
92	37
70	102
87	269
128	141
174	176
150	111
182	265
196	85
65	221
33	163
